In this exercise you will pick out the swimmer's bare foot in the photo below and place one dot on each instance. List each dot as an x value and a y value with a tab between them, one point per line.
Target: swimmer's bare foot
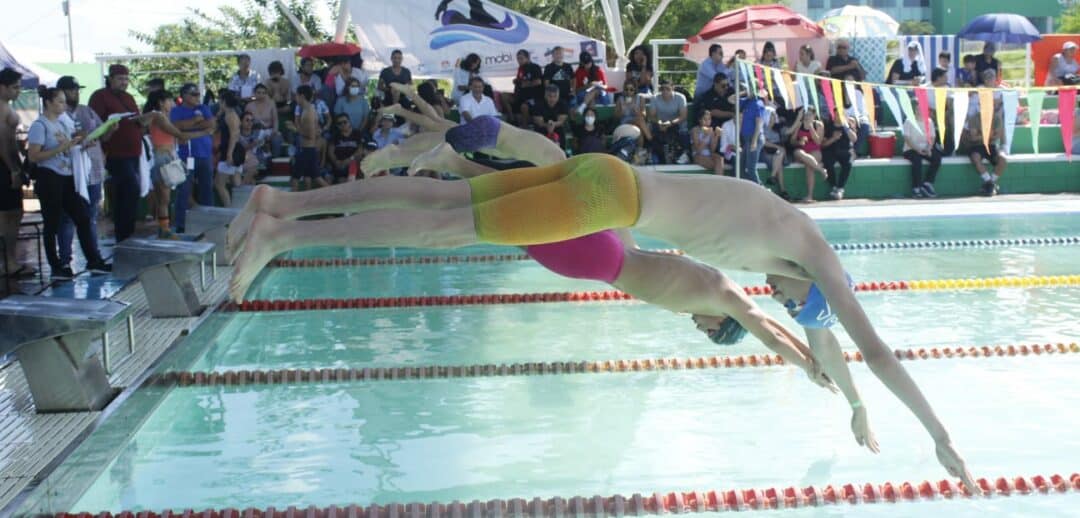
393	109
381	160
404	89
439	158
260	247
238	228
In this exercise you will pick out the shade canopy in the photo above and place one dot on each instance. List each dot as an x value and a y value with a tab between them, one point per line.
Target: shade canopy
858	21
1000	28
748	28
328	50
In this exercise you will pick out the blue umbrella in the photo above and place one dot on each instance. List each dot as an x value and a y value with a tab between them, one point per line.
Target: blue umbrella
1000	28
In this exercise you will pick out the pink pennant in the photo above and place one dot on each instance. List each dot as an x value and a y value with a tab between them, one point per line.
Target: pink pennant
760	75
1066	100
924	108
830	101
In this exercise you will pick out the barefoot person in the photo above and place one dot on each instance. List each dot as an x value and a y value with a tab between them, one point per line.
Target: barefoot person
573	198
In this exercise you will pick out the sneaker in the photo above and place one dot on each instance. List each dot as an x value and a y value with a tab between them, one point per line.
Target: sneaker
840	193
100	268
167	234
988	188
834	193
784	195
918	192
63	273
928	188
683	159
770	181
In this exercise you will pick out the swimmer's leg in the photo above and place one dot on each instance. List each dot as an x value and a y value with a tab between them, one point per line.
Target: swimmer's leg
376	193
426	123
444	158
527	145
426	109
400	155
422	228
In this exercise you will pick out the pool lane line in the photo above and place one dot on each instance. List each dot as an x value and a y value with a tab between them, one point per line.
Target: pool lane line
323	262
615	295
657	503
367	374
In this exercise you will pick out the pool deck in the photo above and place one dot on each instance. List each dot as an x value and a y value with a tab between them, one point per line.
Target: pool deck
32	445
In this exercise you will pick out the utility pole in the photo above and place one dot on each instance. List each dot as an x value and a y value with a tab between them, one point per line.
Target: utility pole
70	38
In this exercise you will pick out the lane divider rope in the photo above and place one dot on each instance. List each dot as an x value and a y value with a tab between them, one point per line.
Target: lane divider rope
321	262
652	504
615	295
327	375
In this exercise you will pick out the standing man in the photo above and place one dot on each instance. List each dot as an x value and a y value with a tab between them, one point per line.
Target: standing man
192	117
86	121
11	204
706	72
245	79
122	148
395	73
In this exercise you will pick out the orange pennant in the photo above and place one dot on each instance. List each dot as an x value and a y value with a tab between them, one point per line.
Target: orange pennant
868	103
986	114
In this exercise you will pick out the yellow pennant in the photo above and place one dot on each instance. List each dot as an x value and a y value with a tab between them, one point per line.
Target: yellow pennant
940	98
768	82
986	114
838	98
790	87
868	103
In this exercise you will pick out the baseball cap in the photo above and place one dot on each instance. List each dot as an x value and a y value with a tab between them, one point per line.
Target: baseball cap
68	83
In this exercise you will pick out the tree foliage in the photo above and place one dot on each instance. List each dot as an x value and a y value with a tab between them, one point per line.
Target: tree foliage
915	27
249	24
1069	23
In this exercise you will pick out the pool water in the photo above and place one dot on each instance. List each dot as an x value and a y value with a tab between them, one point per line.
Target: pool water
586	434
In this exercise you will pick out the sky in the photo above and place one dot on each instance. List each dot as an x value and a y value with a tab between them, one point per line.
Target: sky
38	33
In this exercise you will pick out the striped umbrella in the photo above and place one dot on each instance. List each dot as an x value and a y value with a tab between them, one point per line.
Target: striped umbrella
858	21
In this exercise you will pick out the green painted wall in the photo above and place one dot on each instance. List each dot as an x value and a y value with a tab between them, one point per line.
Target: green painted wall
949	16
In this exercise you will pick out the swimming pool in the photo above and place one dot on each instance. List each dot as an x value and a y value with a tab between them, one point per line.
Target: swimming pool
502	437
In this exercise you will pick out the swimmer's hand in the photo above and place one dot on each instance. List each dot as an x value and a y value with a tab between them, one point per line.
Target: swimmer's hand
818	376
956	467
860	426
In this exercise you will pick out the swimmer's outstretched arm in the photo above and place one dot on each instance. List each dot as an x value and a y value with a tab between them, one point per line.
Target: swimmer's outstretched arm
827	351
425	109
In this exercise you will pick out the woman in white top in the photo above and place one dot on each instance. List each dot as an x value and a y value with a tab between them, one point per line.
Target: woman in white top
807	64
1064	68
468	69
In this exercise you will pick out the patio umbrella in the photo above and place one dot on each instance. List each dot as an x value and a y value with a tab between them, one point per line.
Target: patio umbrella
1000	28
858	21
328	50
750	27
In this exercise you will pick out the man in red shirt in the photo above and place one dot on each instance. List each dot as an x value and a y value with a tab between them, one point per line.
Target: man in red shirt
122	147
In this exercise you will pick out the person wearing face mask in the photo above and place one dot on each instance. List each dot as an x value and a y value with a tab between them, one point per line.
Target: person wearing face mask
354	105
589	137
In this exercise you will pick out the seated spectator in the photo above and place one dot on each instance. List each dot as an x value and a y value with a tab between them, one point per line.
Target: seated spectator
266	117
707	70
716	100
528	90
740	54
387	135
466	70
476	104
639	70
944	62
971	145
807	64
245	79
589	137
667	115
773	153
551	116
1064	69
254	142
345	70
768	55
307	76
705	139
345	150
560	74
631	107
856	109
806	140
843	63
920	147
938	79
838	147
395	73
965	77
910	68
729	134
280	89
590	83
987	61
354	105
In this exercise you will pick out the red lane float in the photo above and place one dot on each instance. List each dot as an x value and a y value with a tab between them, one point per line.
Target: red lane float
324	375
652	504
